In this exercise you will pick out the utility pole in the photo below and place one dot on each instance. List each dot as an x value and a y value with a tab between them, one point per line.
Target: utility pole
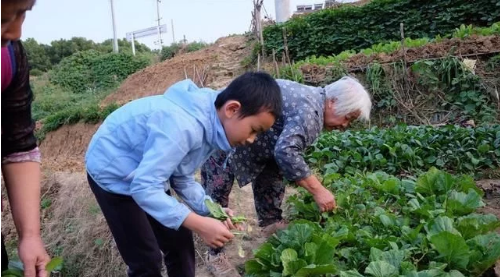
160	43
115	41
173	34
282	10
257	19
133	44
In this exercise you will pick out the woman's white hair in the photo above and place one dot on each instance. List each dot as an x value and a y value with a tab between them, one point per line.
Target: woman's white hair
350	96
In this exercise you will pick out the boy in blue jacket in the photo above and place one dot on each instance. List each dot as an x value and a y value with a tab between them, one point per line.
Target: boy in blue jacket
153	145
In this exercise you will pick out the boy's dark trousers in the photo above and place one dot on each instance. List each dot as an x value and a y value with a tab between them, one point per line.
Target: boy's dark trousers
140	238
5	258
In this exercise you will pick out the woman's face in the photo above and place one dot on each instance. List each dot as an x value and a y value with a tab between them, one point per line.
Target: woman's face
333	121
13	14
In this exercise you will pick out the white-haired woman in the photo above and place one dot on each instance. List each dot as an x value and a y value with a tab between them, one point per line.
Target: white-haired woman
279	152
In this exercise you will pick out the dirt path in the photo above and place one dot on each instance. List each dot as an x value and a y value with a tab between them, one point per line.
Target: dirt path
241	201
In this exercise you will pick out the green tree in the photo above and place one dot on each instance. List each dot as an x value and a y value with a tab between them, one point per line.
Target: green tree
60	49
123	45
37	55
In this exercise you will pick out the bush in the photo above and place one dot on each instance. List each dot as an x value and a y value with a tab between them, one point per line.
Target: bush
50	99
89	113
195	46
36	72
90	71
334	30
168	52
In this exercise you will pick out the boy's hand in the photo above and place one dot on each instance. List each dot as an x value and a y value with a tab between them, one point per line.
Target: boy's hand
213	232
229	224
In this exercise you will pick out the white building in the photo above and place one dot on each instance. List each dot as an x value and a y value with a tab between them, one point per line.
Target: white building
301	9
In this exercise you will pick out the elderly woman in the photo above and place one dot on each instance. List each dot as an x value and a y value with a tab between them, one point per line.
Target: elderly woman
279	152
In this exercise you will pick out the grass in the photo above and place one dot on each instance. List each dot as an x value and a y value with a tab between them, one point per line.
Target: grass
53	106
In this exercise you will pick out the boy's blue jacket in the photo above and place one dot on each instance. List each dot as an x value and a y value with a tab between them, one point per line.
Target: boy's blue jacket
144	143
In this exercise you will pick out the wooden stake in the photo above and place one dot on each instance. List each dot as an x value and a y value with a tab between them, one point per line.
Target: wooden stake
403	48
276	67
258	62
285	43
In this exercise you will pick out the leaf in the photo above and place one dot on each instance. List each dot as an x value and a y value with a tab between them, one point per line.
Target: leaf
425	273
350	273
486	250
310	249
466	183
393	257
273	274
386	220
254	267
414	204
393	245
407	266
264	254
326	248
16	265
99	242
291	263
288	255
241	252
426	182
216	210
477	224
460	203
453	273
14	272
238	219
452	249
297	235
54	263
483	148
430	159
381	269
342	233
316	270
410	233
437	265
391	185
439	225
440	162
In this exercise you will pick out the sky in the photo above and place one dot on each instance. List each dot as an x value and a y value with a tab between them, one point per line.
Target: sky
205	20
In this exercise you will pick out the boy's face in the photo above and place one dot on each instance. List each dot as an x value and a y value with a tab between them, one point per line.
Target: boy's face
243	131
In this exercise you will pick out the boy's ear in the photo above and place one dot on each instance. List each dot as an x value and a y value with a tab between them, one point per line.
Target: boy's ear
231	108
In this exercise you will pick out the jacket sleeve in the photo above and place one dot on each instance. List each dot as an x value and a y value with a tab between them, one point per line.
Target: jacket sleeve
17	125
168	142
191	192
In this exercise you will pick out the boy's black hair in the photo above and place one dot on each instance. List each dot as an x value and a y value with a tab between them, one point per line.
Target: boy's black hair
256	92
